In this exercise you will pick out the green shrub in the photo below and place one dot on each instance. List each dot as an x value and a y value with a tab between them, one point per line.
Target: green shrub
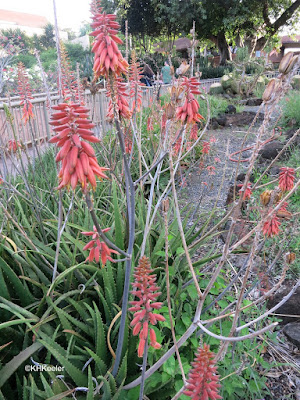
296	82
48	58
216	88
226	81
290	109
214	72
27	59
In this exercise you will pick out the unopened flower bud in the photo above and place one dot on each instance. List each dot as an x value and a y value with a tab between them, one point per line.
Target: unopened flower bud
270	89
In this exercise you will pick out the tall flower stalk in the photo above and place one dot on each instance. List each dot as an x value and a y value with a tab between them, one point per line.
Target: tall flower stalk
109	63
73	134
202	383
146	290
25	93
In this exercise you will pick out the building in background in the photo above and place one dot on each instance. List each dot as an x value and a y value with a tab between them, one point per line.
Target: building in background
29	23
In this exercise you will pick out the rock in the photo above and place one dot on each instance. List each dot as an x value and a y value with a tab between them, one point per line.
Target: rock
216	88
214	124
289	134
241	228
221	120
290	307
274	171
254	102
292	332
230	109
242	175
271	150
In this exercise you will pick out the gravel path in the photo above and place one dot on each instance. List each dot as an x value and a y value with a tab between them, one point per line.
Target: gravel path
210	184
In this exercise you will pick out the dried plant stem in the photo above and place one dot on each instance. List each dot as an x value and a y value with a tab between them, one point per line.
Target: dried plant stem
144	367
238	338
165	212
276	158
200	294
130	197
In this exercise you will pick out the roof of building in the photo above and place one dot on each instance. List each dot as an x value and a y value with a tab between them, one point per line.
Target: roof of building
23	19
181	44
290	39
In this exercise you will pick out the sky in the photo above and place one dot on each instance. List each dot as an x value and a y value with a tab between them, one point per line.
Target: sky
70	13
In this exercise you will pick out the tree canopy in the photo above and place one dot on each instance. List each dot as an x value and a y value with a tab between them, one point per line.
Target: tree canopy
222	21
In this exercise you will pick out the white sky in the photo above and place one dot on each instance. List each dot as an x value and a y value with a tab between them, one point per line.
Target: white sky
70	13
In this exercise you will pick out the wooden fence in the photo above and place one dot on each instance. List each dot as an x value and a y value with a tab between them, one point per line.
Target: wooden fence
39	129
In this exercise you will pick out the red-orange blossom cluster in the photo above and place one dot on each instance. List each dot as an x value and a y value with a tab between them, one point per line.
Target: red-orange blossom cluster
108	57
73	132
147	292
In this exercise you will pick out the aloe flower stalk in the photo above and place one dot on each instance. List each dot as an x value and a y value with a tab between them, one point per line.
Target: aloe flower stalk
108	57
97	248
122	105
247	192
73	134
135	74
271	227
188	113
286	178
147	292
203	382
25	93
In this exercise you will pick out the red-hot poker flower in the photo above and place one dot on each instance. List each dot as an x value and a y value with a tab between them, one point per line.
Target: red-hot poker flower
177	146
194	132
122	105
147	292
205	147
13	145
188	113
108	57
271	227
71	88
149	124
202	383
286	178
128	141
247	192
97	248
79	162
135	74
25	93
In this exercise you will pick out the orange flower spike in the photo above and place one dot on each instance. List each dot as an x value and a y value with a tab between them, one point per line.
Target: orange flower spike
286	178
203	382
188	112
135	74
147	292
79	163
271	227
97	248
247	192
108	57
119	90
25	93
13	146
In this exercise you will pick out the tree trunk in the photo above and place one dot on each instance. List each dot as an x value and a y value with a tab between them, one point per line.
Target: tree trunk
224	49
